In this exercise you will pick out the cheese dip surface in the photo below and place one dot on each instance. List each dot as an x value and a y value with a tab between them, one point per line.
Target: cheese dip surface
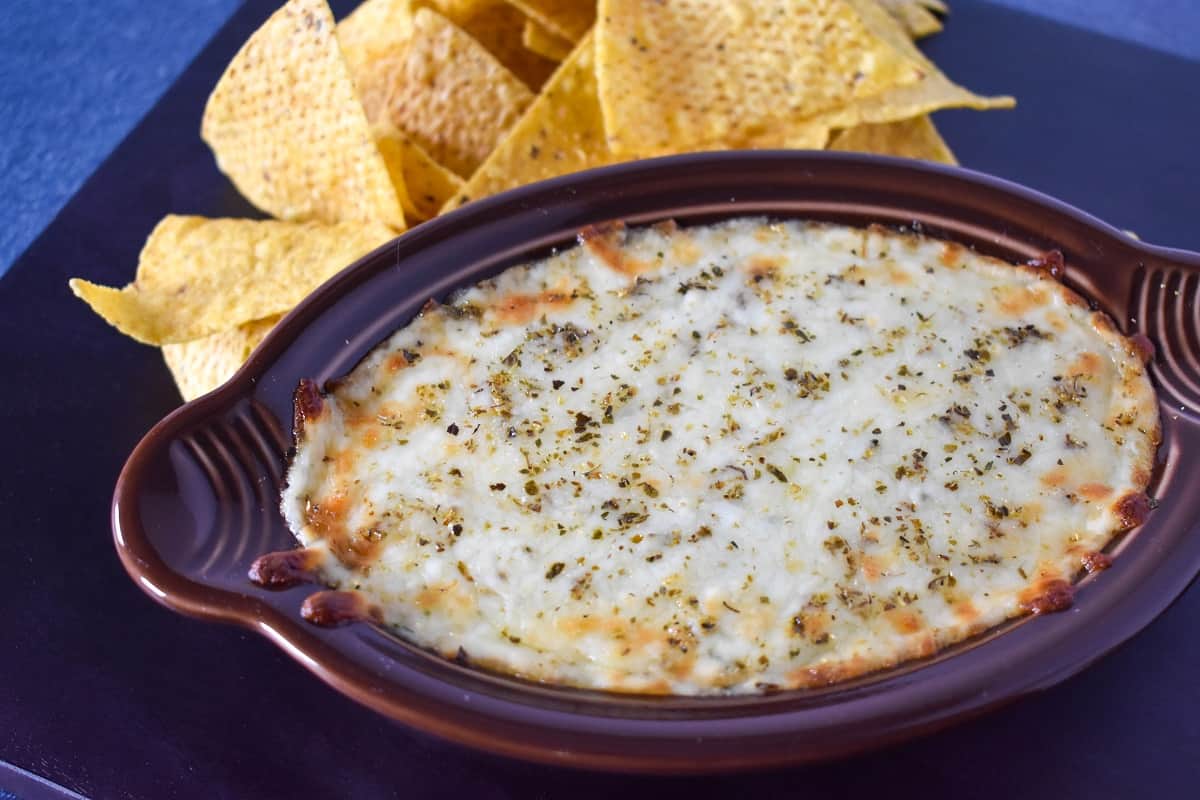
732	458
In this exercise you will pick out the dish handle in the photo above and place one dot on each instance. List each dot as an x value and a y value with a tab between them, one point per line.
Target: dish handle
1164	305
197	502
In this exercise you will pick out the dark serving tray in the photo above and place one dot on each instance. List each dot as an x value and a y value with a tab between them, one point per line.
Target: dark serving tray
197	502
106	693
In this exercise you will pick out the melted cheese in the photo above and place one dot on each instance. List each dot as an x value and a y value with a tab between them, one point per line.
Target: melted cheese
726	458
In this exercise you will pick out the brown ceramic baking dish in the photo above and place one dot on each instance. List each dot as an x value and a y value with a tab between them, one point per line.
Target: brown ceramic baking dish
197	501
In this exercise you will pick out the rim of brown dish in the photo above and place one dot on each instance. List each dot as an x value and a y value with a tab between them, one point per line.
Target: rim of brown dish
197	500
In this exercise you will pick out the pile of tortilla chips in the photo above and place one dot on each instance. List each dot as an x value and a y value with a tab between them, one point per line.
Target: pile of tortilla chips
348	132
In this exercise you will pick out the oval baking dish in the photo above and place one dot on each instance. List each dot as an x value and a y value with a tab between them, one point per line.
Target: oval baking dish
198	500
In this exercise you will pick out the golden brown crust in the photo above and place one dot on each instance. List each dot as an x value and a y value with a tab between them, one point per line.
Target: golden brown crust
1132	509
1141	347
307	406
1050	264
951	254
520	308
761	267
330	609
1047	596
328	520
286	568
1096	562
1017	301
604	240
1103	323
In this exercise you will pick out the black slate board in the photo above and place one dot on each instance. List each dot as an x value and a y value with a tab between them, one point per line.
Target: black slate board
105	692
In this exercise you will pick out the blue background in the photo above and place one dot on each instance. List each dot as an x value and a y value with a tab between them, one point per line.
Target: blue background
77	75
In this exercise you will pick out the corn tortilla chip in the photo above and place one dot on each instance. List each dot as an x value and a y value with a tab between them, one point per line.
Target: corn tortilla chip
811	134
373	39
567	19
917	20
201	365
795	136
908	138
287	128
499	27
676	75
423	184
544	43
375	28
935	5
459	11
933	91
562	132
890	30
198	276
451	96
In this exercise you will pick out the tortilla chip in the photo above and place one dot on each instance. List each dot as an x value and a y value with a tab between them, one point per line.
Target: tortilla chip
287	128
909	138
373	30
376	34
917	20
933	87
459	11
803	136
199	276
938	6
676	75
202	365
889	30
373	40
499	27
562	132
451	96
567	19
423	184
543	42
933	91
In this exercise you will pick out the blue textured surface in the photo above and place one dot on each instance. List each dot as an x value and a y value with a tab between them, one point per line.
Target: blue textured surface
77	75
1172	26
